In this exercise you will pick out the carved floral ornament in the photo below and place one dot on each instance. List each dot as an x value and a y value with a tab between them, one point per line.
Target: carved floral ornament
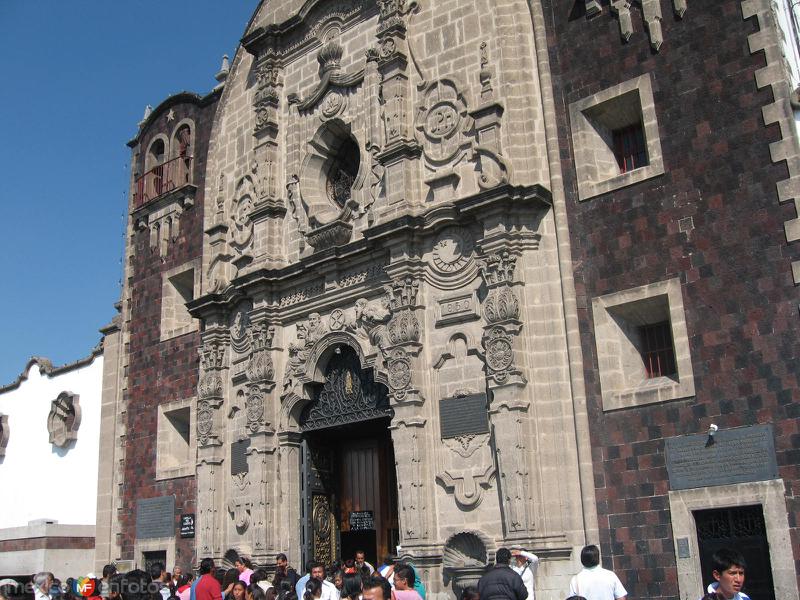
64	419
442	122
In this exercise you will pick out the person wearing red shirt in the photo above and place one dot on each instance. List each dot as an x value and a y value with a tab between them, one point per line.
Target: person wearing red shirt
207	587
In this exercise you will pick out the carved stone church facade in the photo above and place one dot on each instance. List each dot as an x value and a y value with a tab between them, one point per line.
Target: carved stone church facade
487	243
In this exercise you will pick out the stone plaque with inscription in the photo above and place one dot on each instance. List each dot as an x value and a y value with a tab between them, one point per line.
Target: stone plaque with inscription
457	309
155	517
735	456
465	415
239	457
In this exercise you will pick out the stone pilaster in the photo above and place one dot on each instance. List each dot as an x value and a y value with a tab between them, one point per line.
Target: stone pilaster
399	150
289	472
508	409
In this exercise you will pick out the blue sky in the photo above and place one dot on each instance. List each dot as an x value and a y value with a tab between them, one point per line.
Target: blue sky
76	77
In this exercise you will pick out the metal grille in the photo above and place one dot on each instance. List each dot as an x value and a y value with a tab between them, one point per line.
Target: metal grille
629	148
657	351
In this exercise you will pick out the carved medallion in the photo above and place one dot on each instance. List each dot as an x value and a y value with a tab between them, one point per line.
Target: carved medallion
399	371
255	409
205	420
332	105
337	320
452	252
499	352
441	122
64	419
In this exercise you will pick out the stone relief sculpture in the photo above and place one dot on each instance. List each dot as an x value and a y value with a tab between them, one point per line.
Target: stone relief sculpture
4	435
64	419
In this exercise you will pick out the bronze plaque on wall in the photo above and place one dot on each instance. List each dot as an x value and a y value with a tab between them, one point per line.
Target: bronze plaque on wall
155	517
464	415
732	456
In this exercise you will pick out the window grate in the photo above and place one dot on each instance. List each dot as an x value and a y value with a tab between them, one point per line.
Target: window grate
657	350
629	148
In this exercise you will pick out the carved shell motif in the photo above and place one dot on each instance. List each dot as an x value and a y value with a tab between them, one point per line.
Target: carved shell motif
404	327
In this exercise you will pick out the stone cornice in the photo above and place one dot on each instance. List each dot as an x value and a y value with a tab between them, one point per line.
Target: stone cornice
374	241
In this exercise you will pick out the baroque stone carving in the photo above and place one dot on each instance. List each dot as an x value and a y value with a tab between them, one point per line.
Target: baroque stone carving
464	559
467	489
210	389
651	15
4	434
64	419
268	84
240	505
452	251
240	234
442	121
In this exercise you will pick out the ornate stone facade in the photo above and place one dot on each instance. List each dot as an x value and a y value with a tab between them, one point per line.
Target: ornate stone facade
394	223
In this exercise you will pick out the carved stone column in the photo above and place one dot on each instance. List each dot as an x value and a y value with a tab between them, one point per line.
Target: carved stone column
260	374
288	501
506	382
399	148
210	436
402	350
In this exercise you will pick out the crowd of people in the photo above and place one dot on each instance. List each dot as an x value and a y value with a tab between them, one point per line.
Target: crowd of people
356	579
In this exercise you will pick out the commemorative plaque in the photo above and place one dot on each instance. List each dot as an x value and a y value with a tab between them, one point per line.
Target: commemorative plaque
731	456
362	520
187	525
463	415
155	517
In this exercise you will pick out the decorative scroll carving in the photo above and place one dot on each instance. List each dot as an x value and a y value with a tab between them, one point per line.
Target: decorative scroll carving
64	419
240	233
467	489
4	434
493	169
210	388
348	395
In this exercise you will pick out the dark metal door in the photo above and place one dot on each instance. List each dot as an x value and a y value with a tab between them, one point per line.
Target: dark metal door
740	528
320	528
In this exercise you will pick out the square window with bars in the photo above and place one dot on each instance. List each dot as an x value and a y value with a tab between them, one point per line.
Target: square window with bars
657	350
630	148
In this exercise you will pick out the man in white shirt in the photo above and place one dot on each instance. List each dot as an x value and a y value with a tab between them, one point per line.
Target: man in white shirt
329	591
525	566
42	582
594	582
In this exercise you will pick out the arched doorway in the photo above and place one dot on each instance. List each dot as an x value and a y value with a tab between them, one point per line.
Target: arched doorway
348	484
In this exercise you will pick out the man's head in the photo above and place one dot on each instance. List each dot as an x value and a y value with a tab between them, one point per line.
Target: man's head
281	561
176	572
590	556
206	566
157	571
43	581
728	569
109	570
317	570
360	557
377	588
503	556
404	577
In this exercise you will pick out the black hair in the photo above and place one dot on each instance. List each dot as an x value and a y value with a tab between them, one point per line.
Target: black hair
576	598
109	570
376	581
312	590
155	570
134	585
281	556
242	583
725	558
406	573
502	556
590	556
206	566
314	564
352	587
258	575
470	593
255	591
185	578
231	576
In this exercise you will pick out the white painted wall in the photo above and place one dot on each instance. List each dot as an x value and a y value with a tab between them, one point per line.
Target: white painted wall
39	480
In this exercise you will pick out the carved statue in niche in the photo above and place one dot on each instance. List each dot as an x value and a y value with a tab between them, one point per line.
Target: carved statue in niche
64	419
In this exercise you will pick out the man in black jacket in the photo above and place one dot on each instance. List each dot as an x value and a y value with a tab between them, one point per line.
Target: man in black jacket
501	582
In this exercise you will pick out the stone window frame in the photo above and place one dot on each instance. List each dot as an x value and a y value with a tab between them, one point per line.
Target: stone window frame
595	164
769	494
154	545
169	328
616	315
186	468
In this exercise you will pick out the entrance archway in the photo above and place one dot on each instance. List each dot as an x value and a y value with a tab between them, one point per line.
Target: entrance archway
348	484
